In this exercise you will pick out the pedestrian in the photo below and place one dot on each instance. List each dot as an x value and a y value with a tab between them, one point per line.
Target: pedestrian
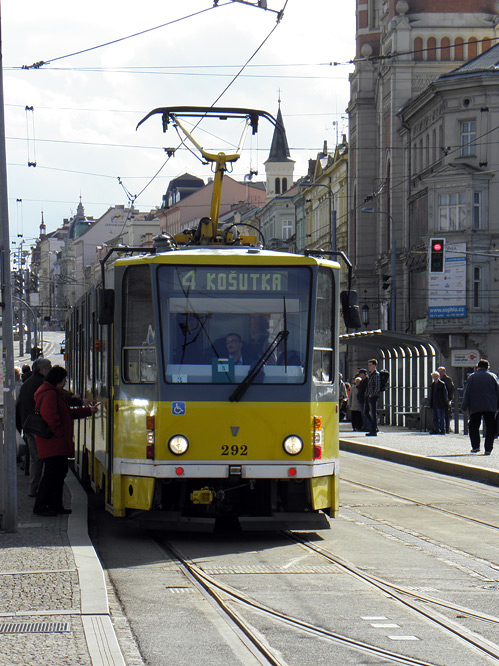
451	389
372	396
354	405
362	373
481	400
343	397
25	406
26	372
55	451
438	401
17	381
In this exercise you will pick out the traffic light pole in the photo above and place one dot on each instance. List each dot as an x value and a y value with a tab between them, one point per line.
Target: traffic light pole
8	446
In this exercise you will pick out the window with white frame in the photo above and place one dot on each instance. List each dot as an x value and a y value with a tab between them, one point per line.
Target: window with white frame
468	138
477	210
451	211
477	283
287	229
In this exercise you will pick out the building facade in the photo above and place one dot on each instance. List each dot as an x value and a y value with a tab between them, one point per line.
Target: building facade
403	134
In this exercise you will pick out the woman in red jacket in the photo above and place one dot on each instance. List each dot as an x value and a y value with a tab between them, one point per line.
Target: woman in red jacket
55	451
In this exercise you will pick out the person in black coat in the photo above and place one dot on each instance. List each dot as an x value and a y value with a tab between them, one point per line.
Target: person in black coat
439	399
361	396
26	373
25	405
451	389
481	400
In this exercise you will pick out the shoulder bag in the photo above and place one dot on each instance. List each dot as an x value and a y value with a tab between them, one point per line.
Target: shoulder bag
35	424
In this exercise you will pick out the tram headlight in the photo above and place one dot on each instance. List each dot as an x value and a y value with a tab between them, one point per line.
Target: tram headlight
178	444
293	445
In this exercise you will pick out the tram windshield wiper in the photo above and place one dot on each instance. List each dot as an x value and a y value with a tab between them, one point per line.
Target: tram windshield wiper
238	393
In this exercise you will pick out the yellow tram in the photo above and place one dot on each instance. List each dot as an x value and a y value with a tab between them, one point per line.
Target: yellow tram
216	364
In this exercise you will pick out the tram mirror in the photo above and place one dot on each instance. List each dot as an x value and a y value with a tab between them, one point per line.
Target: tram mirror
350	309
106	306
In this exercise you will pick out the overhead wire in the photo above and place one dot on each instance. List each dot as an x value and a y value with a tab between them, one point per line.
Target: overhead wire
223	91
41	63
107	70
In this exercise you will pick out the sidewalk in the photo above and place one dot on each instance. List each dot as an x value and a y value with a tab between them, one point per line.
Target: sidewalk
446	454
53	600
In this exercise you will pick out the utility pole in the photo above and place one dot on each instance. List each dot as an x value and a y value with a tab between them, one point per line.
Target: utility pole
8	470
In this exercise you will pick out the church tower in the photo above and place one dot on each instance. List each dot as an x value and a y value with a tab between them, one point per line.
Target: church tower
43	228
279	167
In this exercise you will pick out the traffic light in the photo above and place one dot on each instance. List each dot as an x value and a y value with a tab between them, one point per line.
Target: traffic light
386	281
437	255
18	283
33	282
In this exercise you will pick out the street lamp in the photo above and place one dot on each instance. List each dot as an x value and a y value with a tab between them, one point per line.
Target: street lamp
332	213
393	269
365	315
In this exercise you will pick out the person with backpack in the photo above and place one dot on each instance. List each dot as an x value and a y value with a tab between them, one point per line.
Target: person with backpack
372	396
362	373
481	400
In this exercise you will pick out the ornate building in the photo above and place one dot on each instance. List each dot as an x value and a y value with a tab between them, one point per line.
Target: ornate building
410	124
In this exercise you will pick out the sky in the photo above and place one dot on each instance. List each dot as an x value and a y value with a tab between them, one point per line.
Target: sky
84	105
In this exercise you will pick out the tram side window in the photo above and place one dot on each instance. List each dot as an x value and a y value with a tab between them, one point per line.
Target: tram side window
139	352
323	367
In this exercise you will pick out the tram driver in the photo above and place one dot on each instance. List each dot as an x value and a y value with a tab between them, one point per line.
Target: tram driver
236	350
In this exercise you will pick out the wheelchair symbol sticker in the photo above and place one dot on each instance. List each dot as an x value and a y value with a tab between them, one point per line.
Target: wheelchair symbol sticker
178	408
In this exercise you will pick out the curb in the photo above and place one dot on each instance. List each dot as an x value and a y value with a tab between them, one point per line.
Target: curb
99	631
470	472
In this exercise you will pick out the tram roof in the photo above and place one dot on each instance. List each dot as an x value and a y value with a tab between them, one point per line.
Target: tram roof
226	256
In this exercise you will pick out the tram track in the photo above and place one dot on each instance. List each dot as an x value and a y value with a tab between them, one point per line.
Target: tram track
214	589
402	594
426	505
400	590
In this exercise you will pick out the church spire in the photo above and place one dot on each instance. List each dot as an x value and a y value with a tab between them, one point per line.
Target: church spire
43	228
279	166
279	150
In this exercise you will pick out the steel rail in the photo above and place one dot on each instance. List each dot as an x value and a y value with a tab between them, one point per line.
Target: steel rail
193	573
418	503
487	647
207	583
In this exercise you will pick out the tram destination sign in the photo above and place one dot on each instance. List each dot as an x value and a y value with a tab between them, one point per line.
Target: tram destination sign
235	280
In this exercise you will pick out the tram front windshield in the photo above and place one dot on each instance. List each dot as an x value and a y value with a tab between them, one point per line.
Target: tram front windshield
219	321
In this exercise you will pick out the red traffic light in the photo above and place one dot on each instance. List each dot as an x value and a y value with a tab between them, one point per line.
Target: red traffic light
437	252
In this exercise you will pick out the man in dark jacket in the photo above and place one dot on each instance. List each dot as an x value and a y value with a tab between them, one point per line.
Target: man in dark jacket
361	395
438	401
372	395
481	399
450	394
26	373
25	406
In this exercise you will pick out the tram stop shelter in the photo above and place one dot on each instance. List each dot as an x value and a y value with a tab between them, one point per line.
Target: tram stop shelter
410	360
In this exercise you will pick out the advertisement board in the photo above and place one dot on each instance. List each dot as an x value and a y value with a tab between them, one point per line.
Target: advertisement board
447	289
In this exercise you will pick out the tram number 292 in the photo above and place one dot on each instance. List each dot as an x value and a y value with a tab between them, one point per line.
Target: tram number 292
234	450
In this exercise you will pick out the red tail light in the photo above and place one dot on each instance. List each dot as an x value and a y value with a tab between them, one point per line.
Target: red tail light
317	452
